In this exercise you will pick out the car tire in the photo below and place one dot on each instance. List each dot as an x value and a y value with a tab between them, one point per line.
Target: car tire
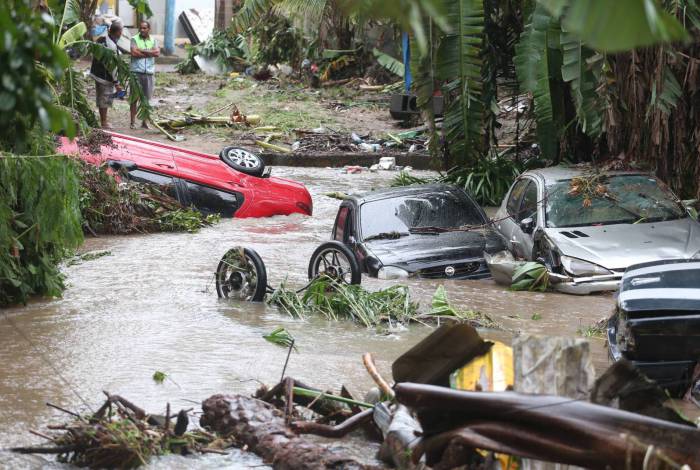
336	261
241	275
242	160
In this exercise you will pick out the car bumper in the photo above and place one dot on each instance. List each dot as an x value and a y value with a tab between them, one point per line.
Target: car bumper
585	285
674	375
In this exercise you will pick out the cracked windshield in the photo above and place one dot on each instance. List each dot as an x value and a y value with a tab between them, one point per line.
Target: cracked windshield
242	234
614	200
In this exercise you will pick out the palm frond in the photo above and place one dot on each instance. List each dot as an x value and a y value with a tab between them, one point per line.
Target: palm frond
535	72
578	62
310	10
71	13
422	63
250	13
74	97
459	63
393	65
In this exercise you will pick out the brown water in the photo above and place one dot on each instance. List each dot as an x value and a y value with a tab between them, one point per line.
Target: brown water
151	305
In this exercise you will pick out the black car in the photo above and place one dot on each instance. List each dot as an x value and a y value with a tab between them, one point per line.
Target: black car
430	231
656	324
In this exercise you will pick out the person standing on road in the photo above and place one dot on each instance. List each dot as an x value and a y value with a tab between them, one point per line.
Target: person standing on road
106	84
144	50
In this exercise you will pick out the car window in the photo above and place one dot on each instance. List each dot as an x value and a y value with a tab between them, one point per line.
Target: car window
516	193
528	206
213	201
167	183
444	209
340	221
603	200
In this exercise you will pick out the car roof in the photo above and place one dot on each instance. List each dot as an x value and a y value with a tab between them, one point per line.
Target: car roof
402	191
566	172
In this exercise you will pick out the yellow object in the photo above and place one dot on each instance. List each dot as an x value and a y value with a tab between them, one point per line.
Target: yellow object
492	372
253	119
234	74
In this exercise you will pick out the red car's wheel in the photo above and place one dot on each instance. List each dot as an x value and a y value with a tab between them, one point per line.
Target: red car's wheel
241	275
242	160
337	261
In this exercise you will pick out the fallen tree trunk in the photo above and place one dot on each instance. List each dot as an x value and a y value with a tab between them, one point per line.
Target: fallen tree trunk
544	427
261	427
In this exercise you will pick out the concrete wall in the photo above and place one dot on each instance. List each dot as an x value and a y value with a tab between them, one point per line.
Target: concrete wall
158	19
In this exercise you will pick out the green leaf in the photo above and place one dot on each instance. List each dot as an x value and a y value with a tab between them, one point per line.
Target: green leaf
440	304
75	33
577	65
619	25
536	316
393	65
535	64
459	65
281	337
159	377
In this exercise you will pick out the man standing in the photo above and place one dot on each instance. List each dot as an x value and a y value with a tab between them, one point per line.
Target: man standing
144	50
106	80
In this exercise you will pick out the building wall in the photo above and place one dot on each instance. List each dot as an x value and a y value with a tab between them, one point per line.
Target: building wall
158	19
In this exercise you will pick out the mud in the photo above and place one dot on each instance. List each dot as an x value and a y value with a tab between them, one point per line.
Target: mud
151	305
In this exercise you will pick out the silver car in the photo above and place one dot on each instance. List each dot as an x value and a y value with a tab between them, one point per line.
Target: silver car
587	228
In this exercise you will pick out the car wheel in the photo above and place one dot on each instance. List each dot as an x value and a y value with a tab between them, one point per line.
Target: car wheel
242	160
337	261
241	275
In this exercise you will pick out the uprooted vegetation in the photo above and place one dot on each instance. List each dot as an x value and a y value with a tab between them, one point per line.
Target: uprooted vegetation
386	307
111	207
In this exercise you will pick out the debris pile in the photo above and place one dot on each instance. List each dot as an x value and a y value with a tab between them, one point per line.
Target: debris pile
111	207
452	405
323	140
122	435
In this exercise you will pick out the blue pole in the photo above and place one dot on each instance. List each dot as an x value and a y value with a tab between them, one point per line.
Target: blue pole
169	43
406	50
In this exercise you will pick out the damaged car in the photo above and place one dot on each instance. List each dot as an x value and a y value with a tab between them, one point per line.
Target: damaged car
656	324
430	231
233	184
587	227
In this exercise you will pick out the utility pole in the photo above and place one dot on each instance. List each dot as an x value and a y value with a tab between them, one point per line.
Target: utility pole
169	42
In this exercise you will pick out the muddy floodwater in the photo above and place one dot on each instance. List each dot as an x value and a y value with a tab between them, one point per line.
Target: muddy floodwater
151	306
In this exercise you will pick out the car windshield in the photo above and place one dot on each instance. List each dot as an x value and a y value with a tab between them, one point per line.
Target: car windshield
605	200
443	209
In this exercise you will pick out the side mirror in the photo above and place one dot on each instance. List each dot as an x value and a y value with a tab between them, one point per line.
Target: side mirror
527	225
121	165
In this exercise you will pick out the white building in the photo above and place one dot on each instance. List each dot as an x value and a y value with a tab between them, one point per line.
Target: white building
122	9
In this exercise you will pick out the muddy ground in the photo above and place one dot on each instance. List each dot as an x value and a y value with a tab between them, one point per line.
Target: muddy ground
284	104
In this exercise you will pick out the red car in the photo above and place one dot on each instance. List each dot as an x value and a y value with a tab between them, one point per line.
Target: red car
234	184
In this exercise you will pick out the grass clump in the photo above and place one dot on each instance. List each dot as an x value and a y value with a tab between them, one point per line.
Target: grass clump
340	301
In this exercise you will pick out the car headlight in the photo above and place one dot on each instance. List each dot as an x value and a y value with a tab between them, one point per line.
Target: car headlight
392	272
578	267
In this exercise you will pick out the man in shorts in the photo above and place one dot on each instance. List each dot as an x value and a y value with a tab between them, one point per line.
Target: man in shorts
144	50
106	84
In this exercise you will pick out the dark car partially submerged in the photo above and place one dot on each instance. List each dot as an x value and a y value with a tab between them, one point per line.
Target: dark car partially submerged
656	324
432	231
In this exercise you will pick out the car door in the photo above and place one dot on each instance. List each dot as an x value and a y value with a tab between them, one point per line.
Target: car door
149	156
507	225
521	241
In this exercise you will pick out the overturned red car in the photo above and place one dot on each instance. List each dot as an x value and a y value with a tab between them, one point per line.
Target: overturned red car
233	184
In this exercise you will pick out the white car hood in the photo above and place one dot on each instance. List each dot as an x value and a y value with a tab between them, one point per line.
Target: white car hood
616	247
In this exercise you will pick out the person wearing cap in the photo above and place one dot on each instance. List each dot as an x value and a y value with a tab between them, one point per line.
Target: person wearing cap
144	50
106	83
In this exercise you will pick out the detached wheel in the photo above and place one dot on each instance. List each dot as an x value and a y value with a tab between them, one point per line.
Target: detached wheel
241	275
337	261
242	160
